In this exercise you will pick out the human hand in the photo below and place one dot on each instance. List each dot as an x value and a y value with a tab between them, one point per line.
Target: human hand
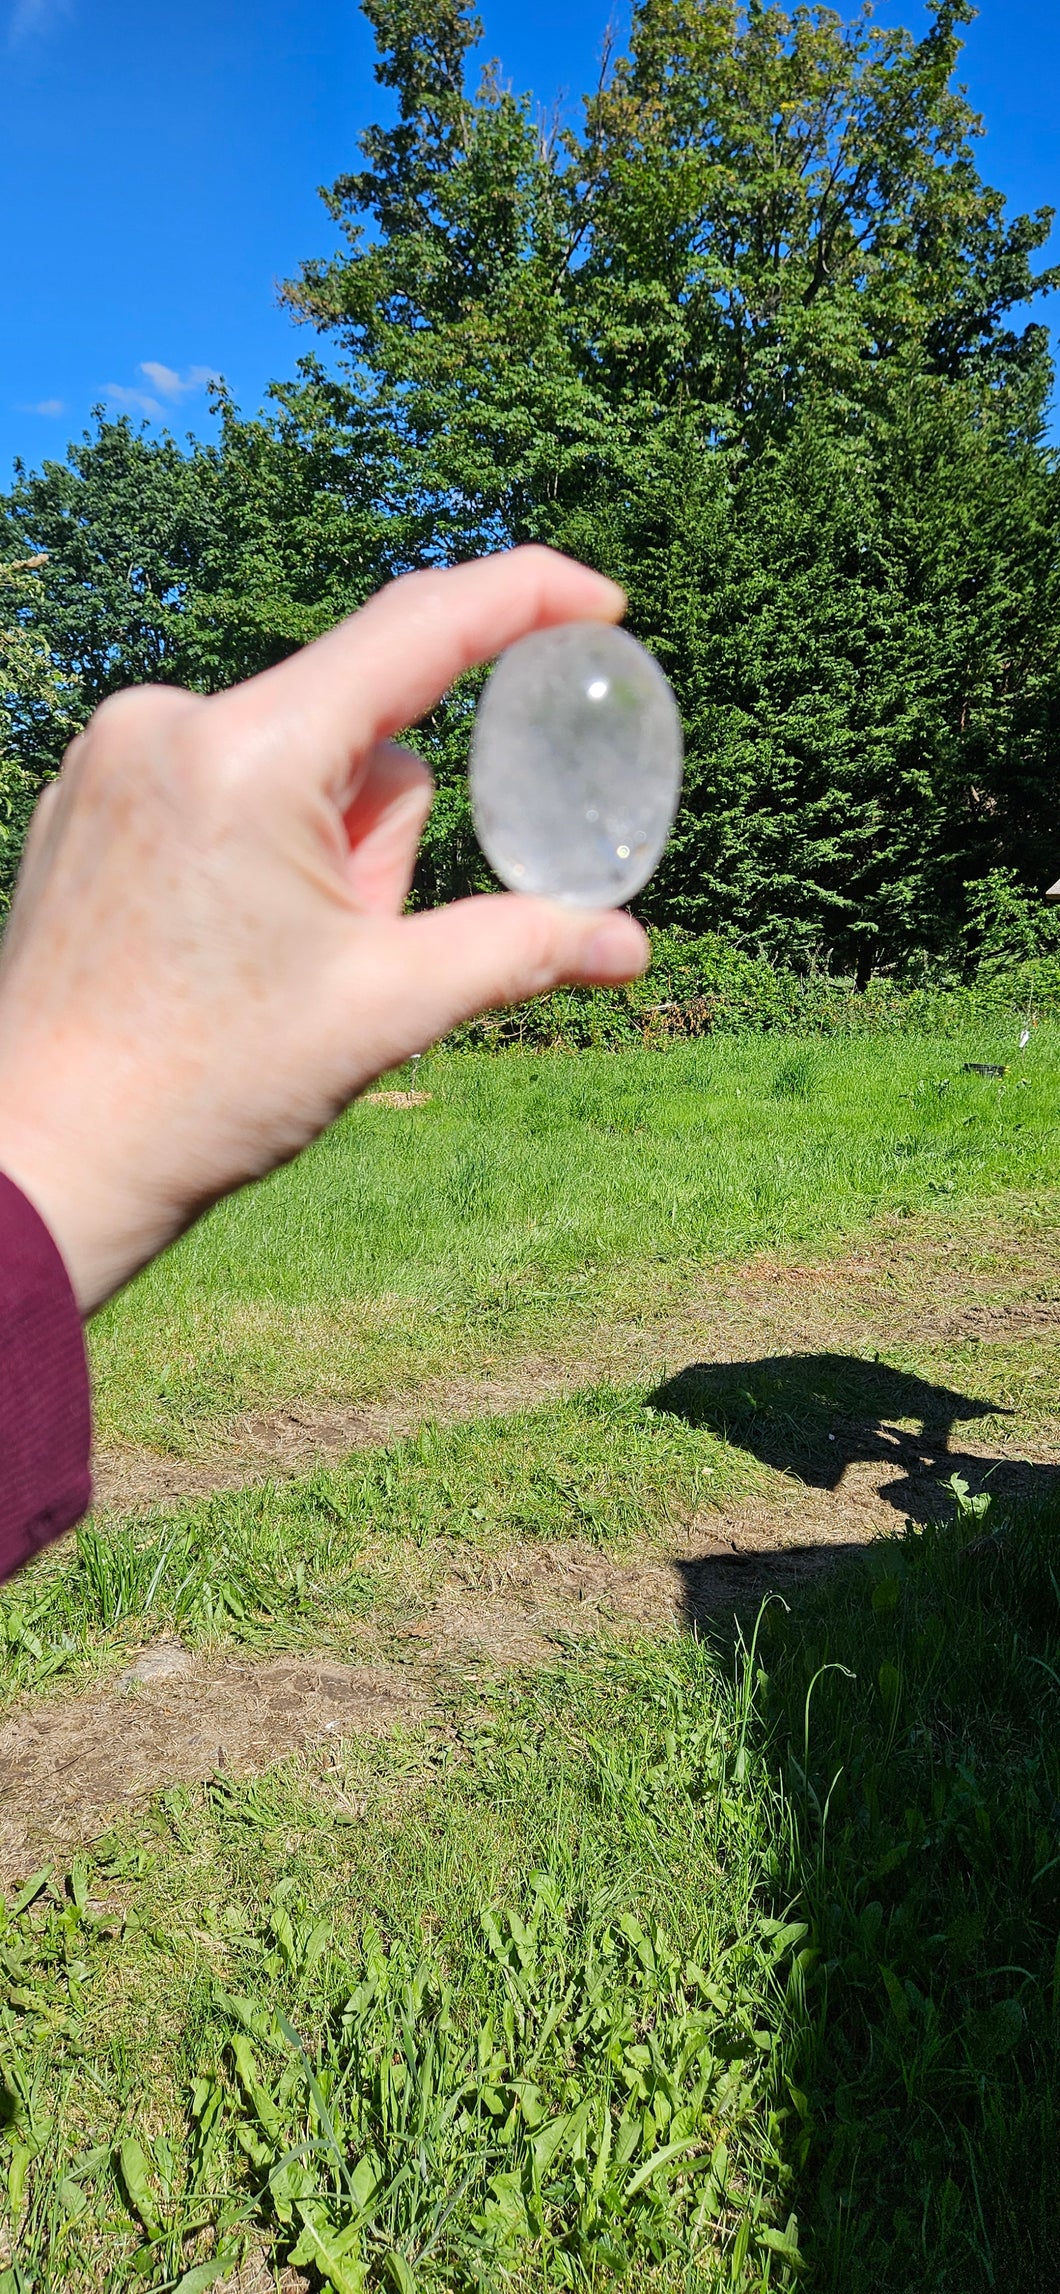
206	958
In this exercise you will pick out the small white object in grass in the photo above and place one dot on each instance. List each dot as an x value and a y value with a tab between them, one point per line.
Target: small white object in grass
1025	1039
576	765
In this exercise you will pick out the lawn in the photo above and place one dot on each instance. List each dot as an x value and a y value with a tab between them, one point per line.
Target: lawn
703	1942
536	1195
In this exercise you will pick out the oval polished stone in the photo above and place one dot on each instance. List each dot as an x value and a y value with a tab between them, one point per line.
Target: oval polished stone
575	770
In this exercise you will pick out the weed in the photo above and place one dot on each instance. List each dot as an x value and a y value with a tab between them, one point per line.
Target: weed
501	2071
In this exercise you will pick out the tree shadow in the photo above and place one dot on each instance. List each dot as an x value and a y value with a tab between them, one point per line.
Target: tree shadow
905	1710
901	1716
813	1416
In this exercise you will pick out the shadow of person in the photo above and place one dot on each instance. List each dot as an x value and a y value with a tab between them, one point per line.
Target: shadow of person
816	1415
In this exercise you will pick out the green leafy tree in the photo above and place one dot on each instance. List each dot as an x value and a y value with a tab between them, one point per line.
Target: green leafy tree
752	339
759	207
302	519
39	711
115	527
750	342
200	566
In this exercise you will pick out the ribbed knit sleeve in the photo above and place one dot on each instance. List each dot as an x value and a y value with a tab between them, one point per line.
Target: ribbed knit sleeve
45	1411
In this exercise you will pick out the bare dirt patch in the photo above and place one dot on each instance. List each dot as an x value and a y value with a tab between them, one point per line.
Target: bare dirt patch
526	1602
68	1765
397	1098
260	2275
525	1605
914	1282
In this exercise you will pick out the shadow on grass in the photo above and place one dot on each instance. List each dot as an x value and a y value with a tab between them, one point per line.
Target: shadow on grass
910	1698
815	1415
910	1710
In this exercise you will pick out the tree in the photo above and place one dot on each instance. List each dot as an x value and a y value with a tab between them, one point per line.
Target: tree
749	343
760	207
203	566
39	711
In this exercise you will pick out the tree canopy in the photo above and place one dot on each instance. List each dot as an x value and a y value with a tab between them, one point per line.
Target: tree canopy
753	338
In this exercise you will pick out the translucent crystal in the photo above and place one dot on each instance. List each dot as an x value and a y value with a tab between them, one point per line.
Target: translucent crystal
576	765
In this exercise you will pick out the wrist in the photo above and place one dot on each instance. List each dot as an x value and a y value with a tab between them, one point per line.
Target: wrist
95	1233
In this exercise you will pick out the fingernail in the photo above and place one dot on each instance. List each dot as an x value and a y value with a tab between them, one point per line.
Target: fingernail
617	950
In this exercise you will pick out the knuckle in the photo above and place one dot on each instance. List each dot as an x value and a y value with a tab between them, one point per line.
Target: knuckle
544	952
139	734
537	563
425	589
139	709
536	555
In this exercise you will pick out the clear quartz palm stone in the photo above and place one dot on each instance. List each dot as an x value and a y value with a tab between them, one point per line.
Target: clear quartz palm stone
576	765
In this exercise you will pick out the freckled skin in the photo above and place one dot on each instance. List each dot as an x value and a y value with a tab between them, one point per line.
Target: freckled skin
207	957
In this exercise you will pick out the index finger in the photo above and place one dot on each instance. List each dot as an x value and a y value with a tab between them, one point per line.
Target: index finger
387	666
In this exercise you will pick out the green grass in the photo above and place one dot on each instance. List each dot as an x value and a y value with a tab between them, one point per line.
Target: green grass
305	1562
925	1788
697	1964
797	1909
535	1192
500	2006
302	1562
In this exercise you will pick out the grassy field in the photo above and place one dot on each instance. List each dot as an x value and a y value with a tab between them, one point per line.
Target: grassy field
536	1193
679	1959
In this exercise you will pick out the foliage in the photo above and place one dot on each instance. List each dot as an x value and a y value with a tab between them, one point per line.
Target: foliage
747	343
200	567
750	338
708	985
1007	931
535	2079
758	207
39	710
588	2120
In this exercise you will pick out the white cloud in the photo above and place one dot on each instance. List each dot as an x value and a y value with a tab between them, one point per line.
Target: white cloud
49	406
30	19
166	384
170	384
140	400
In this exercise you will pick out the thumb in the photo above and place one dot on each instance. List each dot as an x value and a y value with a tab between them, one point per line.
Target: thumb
500	949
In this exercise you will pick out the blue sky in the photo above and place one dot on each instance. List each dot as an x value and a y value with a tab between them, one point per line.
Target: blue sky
159	166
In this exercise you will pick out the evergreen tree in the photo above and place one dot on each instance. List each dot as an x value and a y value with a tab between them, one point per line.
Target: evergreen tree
750	342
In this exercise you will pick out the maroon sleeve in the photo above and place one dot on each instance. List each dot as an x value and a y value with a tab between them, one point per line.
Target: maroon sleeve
45	1414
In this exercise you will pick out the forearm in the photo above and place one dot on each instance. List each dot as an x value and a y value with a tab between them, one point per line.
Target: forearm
45	1420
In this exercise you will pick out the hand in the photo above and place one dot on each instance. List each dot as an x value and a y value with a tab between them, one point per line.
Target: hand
206	958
